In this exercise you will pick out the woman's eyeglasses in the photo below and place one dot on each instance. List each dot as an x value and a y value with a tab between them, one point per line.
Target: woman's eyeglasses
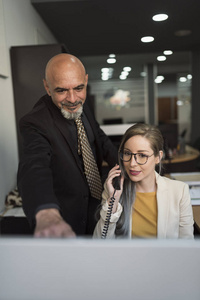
140	158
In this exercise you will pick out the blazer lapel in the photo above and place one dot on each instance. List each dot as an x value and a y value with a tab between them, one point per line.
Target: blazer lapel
163	206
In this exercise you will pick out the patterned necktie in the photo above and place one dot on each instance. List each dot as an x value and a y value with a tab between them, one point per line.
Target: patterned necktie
90	166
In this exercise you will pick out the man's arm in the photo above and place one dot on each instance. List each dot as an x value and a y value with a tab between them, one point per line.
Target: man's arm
35	181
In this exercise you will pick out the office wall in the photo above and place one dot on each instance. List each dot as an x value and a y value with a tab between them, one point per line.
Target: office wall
115	99
22	26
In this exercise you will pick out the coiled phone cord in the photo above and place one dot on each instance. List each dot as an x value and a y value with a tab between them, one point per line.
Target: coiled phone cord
108	216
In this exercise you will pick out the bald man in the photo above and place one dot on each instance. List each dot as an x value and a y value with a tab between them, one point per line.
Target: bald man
51	179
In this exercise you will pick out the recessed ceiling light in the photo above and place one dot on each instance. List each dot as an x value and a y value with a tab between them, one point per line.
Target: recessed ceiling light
104	76
161	58
157	80
106	73
160	17
112	55
122	77
182	79
189	76
160	77
105	70
168	52
111	60
147	39
125	73
128	69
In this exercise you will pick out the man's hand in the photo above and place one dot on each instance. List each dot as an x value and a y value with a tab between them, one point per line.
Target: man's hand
49	223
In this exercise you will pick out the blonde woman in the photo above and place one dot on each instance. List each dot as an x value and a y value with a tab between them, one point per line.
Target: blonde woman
147	205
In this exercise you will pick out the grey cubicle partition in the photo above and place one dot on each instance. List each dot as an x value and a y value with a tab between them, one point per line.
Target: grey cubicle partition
55	269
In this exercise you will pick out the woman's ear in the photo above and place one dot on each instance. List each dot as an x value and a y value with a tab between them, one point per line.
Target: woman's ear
159	157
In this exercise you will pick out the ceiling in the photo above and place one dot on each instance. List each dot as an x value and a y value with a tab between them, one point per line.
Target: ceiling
93	29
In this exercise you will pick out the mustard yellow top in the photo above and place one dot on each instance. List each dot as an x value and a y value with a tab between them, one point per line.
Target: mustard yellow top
144	216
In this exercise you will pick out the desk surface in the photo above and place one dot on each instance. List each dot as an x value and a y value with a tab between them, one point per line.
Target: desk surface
190	154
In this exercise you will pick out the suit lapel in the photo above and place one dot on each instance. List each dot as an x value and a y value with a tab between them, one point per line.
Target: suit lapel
163	206
64	127
67	133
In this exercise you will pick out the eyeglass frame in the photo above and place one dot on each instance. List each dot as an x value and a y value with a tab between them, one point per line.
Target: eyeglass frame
135	157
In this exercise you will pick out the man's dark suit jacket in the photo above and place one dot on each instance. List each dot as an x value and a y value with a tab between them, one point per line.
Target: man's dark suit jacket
50	172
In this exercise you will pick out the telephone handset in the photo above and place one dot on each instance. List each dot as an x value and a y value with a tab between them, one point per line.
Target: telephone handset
116	184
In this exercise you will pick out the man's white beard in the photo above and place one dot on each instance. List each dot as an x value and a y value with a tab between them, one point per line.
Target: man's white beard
71	115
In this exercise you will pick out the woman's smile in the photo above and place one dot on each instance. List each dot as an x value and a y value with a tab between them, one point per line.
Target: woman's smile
134	173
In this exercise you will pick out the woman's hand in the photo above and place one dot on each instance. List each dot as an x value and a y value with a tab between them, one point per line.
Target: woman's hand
114	172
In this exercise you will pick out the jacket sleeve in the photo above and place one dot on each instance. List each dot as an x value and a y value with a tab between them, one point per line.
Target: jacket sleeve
186	215
35	180
113	220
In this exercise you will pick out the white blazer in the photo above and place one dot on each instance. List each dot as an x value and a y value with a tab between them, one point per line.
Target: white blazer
175	215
